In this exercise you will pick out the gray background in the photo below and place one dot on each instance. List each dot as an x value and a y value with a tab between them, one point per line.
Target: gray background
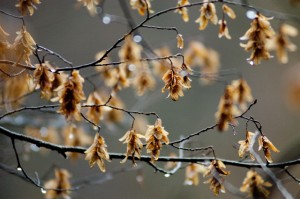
71	31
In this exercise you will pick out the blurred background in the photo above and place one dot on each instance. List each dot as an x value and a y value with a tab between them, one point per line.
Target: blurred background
68	29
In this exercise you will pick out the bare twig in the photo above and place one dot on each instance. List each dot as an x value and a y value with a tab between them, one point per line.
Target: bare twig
121	109
20	168
291	175
12	63
14	16
50	52
29	108
89	121
12	75
160	28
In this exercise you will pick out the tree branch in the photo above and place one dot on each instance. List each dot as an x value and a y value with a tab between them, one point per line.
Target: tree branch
64	149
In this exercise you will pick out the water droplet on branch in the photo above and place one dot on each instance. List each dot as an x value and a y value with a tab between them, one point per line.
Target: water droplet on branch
251	14
106	20
131	67
251	63
43	191
33	147
137	38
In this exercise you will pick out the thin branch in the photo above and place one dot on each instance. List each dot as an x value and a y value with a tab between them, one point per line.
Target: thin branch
50	52
291	175
28	108
249	107
196	149
255	122
160	28
14	16
13	171
156	168
20	166
142	60
194	134
12	75
12	63
89	121
121	109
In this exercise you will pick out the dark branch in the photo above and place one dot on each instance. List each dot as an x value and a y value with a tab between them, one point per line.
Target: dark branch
64	149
